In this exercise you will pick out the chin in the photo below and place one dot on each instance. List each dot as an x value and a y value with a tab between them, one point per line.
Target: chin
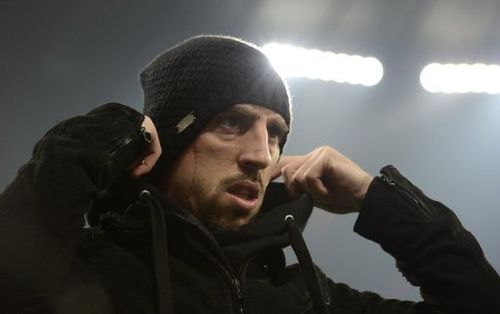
234	224
223	215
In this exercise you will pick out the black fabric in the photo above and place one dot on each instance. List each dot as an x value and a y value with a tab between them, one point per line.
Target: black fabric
50	263
160	254
430	237
42	212
307	267
268	229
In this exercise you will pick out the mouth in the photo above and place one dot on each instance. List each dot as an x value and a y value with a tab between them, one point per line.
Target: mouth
246	193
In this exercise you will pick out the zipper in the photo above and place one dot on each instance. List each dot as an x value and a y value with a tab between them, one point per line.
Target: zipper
237	282
237	287
146	136
233	280
389	180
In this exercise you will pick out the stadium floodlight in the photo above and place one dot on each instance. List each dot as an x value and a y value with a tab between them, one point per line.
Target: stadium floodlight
291	61
461	78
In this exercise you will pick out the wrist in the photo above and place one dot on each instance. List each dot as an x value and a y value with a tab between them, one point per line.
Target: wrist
361	194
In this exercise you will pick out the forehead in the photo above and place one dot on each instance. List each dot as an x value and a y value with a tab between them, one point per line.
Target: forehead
255	110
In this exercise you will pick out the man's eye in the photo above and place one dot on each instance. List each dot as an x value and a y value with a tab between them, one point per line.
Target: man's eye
231	122
276	133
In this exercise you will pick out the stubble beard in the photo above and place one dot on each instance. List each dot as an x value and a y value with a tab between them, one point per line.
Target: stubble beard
218	217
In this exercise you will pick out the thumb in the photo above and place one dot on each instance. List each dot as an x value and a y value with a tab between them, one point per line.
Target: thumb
277	167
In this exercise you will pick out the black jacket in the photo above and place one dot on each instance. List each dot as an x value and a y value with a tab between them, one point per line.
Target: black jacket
143	254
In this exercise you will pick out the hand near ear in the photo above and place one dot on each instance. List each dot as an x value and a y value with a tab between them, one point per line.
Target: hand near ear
335	183
146	163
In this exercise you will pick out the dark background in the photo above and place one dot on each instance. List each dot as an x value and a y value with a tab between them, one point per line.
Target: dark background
62	58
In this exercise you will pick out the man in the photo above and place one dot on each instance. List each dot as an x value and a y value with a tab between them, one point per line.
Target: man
184	217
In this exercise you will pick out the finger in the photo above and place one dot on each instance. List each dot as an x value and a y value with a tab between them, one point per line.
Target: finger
313	185
294	189
153	152
275	171
146	164
287	160
133	167
294	176
283	162
139	170
307	177
153	155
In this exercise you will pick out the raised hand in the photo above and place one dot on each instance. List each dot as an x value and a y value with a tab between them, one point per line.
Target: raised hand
335	183
146	162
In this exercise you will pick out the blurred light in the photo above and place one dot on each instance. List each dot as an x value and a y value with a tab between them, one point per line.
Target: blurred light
292	61
461	78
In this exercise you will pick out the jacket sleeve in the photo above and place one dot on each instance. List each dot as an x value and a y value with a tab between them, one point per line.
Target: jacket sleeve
432	250
42	210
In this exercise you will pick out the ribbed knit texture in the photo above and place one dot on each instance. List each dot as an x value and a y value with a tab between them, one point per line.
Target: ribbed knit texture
206	75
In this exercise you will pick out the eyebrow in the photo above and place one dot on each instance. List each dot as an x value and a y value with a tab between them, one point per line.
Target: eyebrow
276	118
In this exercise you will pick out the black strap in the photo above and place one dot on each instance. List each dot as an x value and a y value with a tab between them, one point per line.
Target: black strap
160	254
307	266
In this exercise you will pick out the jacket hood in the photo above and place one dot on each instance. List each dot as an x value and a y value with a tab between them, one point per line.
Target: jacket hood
266	233
268	230
278	224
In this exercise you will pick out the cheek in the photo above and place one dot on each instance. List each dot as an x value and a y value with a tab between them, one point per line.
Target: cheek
211	163
266	174
216	156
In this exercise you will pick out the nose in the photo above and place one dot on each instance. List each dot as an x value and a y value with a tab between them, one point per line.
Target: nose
255	152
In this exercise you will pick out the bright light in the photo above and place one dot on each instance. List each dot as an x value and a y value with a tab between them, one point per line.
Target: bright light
461	78
292	61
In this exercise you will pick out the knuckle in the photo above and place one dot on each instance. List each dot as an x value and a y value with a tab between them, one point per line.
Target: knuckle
301	178
310	179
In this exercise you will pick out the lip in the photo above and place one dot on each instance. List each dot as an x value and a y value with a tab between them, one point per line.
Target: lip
245	194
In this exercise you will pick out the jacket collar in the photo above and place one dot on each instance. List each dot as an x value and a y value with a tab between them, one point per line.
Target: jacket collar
268	229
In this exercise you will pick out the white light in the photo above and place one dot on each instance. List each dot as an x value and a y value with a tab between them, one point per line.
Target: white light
292	61
461	78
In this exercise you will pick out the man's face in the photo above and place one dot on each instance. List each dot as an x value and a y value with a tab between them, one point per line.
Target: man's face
221	178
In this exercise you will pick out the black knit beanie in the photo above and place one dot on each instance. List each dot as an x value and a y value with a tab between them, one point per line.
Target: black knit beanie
188	85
